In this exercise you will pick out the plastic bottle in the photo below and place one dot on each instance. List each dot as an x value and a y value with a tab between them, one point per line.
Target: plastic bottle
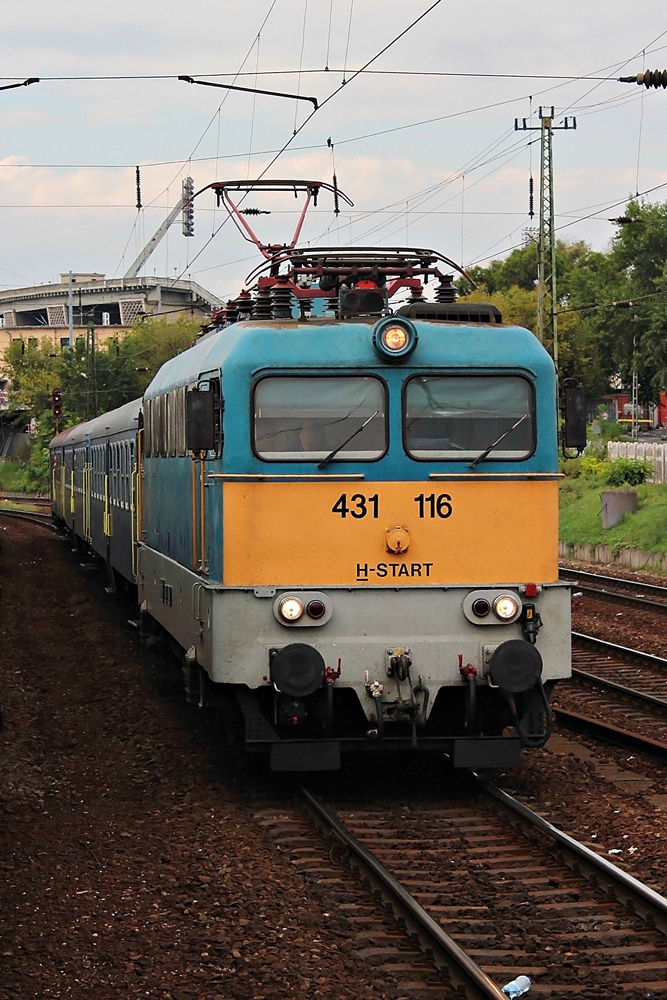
517	987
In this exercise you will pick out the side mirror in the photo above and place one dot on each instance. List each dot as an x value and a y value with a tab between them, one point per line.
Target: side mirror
200	420
574	418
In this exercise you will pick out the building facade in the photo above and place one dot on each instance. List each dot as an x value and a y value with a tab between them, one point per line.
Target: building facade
112	306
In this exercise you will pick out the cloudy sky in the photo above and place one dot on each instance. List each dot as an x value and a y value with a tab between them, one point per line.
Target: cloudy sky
423	140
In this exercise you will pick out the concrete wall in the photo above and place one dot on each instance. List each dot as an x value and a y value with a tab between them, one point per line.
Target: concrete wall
633	559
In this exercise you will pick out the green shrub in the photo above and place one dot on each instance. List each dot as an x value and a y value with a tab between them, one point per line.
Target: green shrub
13	476
612	431
629	471
570	467
596	447
592	465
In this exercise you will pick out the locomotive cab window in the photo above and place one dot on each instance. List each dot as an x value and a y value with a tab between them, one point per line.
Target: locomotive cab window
459	417
305	419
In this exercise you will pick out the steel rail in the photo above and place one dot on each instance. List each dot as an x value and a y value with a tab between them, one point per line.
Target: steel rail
640	894
611	647
28	498
446	953
647	658
575	576
32	517
621	688
617	595
611	734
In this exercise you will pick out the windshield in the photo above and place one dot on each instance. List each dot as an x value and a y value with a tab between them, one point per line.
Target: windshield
458	417
305	419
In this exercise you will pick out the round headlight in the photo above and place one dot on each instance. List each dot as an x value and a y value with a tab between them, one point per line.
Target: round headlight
505	607
394	338
291	609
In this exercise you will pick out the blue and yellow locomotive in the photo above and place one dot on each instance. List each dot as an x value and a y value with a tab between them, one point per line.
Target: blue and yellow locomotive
345	515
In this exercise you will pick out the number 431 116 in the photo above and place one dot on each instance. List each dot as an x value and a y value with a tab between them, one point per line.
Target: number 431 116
358	505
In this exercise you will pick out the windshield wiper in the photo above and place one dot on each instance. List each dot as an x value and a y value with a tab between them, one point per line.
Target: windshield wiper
332	454
487	451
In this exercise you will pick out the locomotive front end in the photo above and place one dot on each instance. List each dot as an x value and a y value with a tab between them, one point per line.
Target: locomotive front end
369	558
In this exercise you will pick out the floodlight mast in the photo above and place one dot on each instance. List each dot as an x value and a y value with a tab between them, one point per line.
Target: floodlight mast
133	271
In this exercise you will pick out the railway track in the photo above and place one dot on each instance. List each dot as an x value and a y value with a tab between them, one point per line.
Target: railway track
617	694
633	592
628	671
482	890
44	520
26	498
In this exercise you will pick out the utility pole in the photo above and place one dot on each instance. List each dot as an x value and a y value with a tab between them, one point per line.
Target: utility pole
655	79
92	367
70	313
635	391
547	328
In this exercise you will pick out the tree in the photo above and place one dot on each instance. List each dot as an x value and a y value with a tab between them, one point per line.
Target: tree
637	334
511	284
91	380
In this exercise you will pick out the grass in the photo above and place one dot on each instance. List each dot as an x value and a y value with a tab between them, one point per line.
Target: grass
13	477
581	518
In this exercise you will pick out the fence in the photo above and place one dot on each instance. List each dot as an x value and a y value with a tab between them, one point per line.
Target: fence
654	451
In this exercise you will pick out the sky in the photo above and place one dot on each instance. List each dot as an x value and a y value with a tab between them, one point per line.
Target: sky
422	141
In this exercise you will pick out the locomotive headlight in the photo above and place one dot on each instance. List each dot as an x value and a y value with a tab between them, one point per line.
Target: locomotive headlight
394	338
506	607
291	609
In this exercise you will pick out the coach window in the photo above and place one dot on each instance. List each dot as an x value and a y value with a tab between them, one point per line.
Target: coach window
458	417
112	474
304	419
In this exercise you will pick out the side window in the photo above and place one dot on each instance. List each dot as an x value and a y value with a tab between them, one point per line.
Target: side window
166	421
148	428
171	423
180	420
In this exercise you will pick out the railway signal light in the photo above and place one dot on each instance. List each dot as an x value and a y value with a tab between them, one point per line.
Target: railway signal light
57	402
188	220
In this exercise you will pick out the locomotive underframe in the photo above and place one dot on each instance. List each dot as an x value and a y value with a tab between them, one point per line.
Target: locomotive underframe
231	634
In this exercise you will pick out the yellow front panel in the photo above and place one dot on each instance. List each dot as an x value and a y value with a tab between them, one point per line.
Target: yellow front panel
327	533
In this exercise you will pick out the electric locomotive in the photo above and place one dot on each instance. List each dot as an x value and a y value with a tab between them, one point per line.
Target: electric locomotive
344	512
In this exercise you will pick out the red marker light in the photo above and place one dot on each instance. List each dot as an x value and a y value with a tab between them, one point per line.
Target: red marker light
481	607
531	590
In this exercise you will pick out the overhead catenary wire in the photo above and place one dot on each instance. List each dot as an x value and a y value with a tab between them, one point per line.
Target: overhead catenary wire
362	137
341	141
334	93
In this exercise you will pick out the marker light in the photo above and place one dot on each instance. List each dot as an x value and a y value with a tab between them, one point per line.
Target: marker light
481	607
394	338
315	609
291	609
505	607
